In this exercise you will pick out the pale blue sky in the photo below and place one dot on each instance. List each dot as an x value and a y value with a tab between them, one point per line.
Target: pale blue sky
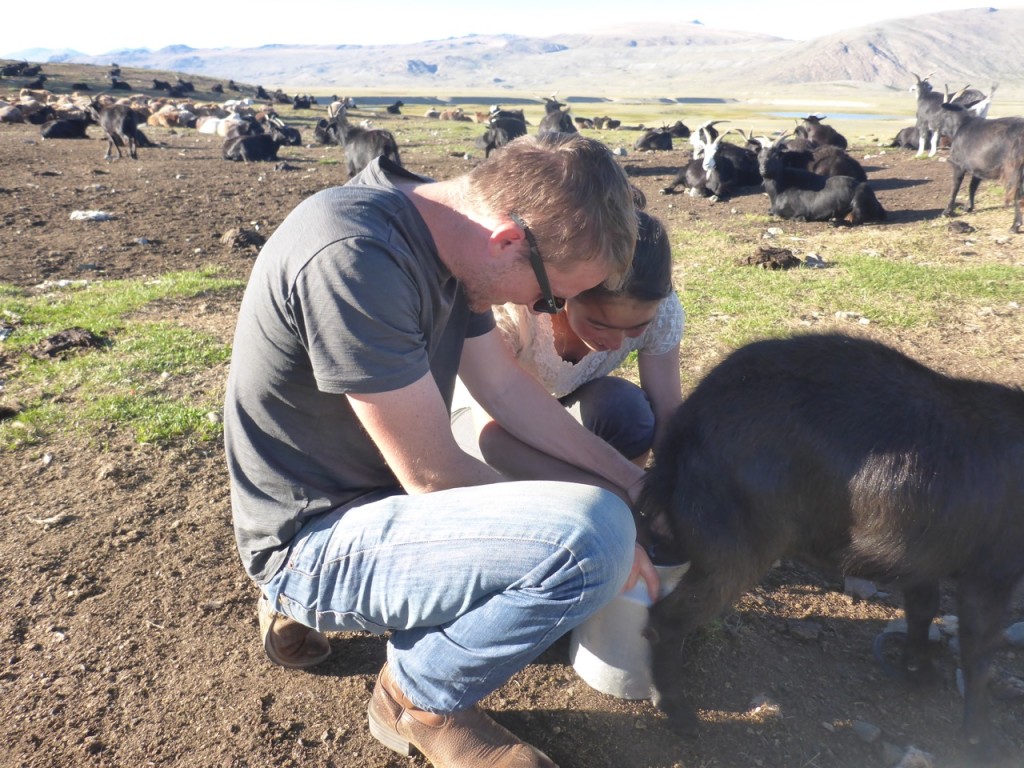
96	29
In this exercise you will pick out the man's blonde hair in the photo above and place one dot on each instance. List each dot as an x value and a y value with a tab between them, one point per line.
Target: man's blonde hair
570	191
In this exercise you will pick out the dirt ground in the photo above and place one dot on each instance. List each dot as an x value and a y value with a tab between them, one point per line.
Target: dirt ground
128	633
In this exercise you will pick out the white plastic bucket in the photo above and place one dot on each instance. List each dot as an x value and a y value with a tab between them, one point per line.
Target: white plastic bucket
609	650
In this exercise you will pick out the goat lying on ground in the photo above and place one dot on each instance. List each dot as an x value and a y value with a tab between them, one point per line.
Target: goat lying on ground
556	118
821	134
804	196
654	139
986	149
65	128
255	145
840	451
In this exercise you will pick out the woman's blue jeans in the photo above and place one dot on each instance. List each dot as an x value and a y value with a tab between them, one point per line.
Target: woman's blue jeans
617	411
473	583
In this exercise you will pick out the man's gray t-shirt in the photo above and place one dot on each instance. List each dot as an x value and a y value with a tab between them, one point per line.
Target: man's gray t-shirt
348	295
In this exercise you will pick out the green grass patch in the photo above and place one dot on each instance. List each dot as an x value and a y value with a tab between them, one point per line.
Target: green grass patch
742	303
140	379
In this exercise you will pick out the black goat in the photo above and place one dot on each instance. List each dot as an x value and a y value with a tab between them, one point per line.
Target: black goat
65	128
906	138
826	160
842	452
814	130
121	125
396	108
713	173
504	126
986	149
930	115
653	139
119	85
361	145
161	85
679	130
804	196
745	170
556	118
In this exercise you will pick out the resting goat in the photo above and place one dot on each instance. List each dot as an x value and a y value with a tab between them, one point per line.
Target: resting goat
713	173
804	196
65	128
556	118
121	125
654	139
986	149
396	108
813	129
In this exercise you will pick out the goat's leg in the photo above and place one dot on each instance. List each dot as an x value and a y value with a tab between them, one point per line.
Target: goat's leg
982	610
935	144
972	187
703	592
1016	183
920	604
958	179
922	137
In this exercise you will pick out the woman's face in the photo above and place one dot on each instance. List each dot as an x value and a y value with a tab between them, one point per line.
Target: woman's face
604	324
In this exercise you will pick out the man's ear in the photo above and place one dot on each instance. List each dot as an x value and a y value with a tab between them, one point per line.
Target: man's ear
506	234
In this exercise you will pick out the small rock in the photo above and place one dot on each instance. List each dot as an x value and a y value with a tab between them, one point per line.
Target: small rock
916	758
805	630
862	588
1015	634
891	753
620	152
949	624
900	625
866	732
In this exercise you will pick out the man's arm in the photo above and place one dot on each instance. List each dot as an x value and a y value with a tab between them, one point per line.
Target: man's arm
412	429
659	379
520	404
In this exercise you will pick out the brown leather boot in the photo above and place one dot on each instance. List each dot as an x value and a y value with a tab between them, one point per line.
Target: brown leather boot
289	643
465	739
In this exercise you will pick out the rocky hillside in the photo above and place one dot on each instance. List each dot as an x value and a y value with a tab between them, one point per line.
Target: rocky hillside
980	46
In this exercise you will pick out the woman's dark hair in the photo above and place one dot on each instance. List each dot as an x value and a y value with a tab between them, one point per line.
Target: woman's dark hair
650	276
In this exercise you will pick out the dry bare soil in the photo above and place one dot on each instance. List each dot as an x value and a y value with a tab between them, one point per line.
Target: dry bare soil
128	632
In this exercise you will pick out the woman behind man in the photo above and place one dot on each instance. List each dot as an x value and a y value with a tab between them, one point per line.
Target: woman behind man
572	354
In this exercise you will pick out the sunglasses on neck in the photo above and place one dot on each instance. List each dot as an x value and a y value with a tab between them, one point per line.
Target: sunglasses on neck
550	303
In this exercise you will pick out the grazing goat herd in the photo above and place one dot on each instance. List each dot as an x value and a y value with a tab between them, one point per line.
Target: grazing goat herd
888	468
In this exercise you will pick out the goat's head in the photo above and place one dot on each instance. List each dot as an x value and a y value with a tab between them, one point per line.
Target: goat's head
922	87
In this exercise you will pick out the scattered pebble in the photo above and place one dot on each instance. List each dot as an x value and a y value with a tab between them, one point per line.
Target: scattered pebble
861	588
916	758
91	216
1015	634
866	732
805	630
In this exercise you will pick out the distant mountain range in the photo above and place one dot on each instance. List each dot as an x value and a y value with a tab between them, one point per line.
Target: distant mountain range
980	46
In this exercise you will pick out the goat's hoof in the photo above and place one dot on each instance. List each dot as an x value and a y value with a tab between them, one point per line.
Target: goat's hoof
880	650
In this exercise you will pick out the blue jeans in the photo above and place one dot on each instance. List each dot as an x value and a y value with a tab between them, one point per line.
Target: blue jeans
617	411
474	583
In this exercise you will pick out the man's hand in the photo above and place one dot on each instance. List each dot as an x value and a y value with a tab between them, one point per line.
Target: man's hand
644	569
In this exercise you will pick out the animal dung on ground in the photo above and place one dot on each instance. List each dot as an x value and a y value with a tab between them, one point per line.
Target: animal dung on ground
68	339
771	258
